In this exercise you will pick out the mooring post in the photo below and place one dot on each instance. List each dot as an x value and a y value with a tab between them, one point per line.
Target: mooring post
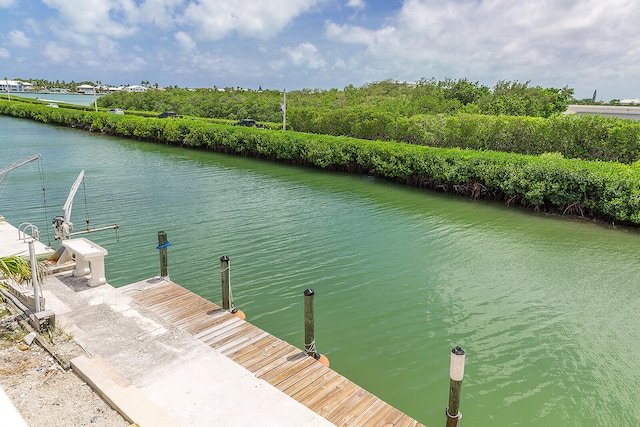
309	340
162	246
225	276
456	373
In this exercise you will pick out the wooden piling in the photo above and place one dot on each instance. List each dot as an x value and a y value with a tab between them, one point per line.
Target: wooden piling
456	373
225	278
162	247
309	340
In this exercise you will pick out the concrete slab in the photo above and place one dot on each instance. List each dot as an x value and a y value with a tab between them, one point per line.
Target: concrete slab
194	384
13	242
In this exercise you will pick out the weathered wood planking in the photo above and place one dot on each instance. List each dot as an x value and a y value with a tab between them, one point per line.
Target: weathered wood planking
277	362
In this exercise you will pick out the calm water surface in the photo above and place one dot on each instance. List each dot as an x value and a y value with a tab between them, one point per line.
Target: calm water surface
546	308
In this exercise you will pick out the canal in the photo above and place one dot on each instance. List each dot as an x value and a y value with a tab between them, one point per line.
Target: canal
545	307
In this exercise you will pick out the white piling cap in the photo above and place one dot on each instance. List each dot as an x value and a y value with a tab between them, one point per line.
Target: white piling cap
456	370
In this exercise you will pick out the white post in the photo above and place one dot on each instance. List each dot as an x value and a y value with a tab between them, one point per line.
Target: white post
34	276
456	374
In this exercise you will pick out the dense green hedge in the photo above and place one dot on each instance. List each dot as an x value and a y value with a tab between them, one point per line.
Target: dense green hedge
583	137
607	190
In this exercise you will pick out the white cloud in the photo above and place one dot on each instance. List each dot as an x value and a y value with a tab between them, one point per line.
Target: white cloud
305	55
161	13
8	3
185	40
4	53
356	4
57	53
215	19
81	17
499	37
18	38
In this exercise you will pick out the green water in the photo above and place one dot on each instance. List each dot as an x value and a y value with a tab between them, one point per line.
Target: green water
546	308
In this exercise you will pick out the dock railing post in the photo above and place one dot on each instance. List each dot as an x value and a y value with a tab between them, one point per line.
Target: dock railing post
162	246
224	276
456	373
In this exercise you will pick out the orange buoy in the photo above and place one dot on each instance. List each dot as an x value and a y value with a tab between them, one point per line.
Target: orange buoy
324	360
239	313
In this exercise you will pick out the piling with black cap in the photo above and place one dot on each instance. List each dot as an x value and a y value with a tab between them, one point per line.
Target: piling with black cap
225	278
309	338
227	298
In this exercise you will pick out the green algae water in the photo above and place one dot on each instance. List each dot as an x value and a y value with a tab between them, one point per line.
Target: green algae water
546	308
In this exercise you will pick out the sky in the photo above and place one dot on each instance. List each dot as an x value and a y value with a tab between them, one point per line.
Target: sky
586	45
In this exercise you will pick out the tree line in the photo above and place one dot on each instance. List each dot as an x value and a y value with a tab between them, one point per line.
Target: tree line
401	99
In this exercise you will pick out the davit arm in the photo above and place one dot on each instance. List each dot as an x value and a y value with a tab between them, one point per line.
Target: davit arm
63	224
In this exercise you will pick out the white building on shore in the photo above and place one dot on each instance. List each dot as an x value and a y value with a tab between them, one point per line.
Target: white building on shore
86	89
11	86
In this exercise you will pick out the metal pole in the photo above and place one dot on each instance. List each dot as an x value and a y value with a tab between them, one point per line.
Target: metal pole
162	246
284	109
456	373
34	276
226	285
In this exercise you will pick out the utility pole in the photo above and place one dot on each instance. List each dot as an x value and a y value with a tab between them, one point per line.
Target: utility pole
284	109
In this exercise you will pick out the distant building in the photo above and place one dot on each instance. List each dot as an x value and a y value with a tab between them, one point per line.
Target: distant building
630	101
86	89
135	88
622	112
11	86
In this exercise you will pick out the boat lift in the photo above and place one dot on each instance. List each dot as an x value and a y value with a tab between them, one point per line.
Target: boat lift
63	225
5	171
88	256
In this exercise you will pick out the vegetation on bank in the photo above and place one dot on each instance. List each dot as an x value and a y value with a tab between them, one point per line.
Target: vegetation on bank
550	182
398	99
510	117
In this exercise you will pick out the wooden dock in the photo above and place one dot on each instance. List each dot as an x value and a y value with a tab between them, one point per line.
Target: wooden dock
280	364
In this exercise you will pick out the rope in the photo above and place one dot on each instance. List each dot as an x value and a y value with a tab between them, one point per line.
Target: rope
44	199
160	246
458	417
310	348
232	306
86	211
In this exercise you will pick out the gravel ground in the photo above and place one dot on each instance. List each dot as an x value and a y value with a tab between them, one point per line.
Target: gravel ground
42	391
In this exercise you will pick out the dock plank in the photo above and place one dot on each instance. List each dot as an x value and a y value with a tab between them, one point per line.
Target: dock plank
241	342
307	374
277	362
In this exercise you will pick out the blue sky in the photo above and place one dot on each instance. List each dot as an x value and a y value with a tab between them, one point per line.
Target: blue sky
583	44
